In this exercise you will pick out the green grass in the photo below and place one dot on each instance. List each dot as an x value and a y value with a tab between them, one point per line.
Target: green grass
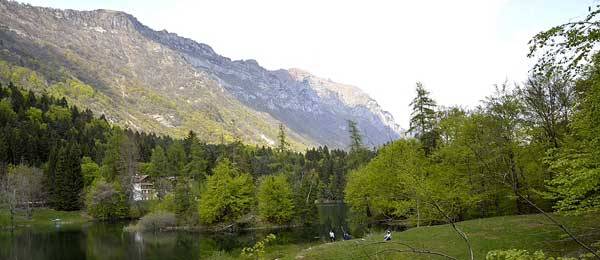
531	232
44	217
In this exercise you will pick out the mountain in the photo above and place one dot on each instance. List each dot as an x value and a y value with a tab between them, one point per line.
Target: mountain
158	81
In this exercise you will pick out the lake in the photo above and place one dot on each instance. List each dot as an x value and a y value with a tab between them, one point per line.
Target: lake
101	240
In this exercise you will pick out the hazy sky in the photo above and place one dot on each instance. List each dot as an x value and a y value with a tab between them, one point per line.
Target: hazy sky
459	49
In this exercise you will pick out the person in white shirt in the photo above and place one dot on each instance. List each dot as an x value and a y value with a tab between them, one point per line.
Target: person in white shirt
388	236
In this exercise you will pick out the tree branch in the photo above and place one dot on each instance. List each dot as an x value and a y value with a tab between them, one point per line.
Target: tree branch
460	232
410	249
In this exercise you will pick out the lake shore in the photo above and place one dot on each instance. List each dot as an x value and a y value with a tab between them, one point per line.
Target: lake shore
44	217
528	232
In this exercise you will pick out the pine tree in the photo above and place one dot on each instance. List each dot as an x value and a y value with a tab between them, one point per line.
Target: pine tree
50	177
68	178
191	138
197	167
355	136
176	157
158	162
281	137
423	119
113	165
358	155
183	201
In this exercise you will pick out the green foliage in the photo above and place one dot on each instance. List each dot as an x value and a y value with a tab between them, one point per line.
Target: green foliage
229	194
570	45
184	203
68	180
159	163
197	166
576	184
423	119
59	113
388	184
105	201
356	142
167	203
155	221
176	158
401	182
258	250
7	114
283	144
90	171
519	254
275	199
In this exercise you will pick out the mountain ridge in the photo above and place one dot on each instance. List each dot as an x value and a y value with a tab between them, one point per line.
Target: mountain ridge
119	56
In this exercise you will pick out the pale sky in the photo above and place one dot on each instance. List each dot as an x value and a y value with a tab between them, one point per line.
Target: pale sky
459	49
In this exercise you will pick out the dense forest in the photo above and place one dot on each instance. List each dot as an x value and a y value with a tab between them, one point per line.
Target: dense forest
66	158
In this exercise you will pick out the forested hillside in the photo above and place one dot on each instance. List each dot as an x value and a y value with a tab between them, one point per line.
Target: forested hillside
55	154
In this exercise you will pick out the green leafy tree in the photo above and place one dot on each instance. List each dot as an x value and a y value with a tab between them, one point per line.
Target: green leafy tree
548	100
570	45
400	182
275	199
228	195
90	171
503	110
184	210
576	184
387	184
7	114
105	201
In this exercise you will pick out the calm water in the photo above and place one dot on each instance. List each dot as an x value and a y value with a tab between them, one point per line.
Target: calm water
109	241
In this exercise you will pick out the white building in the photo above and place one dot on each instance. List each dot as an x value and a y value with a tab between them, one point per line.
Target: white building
143	188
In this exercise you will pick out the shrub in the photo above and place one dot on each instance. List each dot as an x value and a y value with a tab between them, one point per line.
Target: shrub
518	254
156	221
105	201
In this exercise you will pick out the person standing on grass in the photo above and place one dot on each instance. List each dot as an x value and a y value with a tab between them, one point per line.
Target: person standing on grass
388	235
331	236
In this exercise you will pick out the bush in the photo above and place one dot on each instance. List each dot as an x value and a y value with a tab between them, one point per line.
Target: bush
156	221
166	204
137	209
518	254
104	201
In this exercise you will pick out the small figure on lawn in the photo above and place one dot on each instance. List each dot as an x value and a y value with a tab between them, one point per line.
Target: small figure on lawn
388	236
331	236
347	236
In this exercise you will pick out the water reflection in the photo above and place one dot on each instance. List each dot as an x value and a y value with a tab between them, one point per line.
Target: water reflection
109	241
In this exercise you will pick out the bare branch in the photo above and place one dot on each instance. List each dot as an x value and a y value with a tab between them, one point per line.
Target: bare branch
460	232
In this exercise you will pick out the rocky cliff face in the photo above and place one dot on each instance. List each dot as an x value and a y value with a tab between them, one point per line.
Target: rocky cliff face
159	81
